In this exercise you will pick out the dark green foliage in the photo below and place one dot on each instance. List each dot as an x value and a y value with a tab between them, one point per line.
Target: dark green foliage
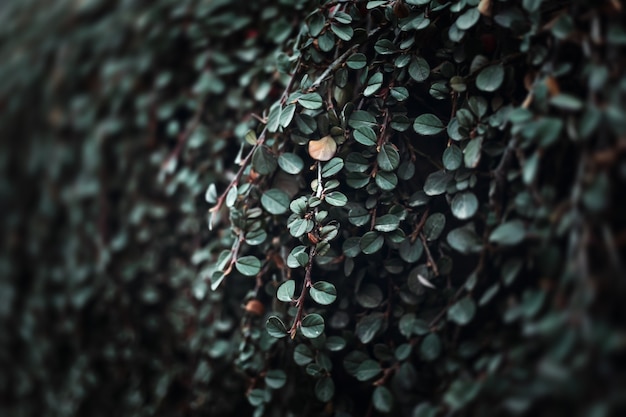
414	208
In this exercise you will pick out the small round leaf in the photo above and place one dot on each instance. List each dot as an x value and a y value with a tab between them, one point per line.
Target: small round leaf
312	326
490	78
275	327
464	205
428	124
463	311
248	265
275	201
286	290
323	292
382	399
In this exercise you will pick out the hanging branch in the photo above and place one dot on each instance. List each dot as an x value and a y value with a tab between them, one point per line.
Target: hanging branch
245	161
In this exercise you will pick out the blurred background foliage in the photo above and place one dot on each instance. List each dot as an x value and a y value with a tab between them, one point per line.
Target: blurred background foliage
505	132
105	310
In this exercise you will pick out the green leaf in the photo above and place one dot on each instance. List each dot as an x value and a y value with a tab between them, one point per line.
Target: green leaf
508	234
371	242
286	291
463	311
430	348
385	47
406	170
332	167
566	102
275	378
290	163
263	161
325	389
461	393
382	399
531	5
302	355
256	237
386	223
365	135
323	292
478	105
369	326
275	201
286	116
373	84
428	124
275	327
468	19
326	41
356	61
434	225
437	183
386	180
342	17
356	162
388	158
273	119
231	197
489	294
411	252
530	169
312	326
490	78
452	158
316	24
360	118
471	153
351	246
454	130
400	123
314	370
248	265
546	130
367	370
343	32
216	279
335	343
336	198
419	69
311	101
256	397
464	205
306	124
298	257
403	351
464	240
358	216
425	409
250	137
458	84
399	93
372	4
299	227
369	296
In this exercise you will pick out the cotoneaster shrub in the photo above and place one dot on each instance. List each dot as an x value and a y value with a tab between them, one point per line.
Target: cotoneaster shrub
413	208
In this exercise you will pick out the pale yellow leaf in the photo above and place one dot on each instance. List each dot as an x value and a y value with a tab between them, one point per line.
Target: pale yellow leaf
484	7
323	149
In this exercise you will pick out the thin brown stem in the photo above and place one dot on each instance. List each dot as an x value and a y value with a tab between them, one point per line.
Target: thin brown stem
305	289
429	256
244	163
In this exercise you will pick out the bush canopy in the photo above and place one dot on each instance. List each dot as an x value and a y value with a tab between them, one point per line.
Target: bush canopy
313	208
